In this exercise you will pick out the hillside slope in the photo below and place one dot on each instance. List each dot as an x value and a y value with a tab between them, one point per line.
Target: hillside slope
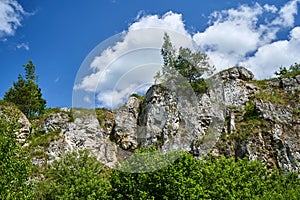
238	117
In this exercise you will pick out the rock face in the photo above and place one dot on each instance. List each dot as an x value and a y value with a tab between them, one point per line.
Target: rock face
125	130
25	128
84	133
236	117
273	134
235	86
7	113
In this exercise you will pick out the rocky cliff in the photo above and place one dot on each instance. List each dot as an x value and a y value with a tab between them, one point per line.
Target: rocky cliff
236	117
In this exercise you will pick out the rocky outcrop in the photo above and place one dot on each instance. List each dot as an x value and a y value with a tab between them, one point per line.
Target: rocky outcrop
25	129
10	113
125	129
236	117
272	133
234	85
84	133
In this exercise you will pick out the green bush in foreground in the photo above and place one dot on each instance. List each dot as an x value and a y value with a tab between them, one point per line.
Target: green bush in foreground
15	166
212	178
74	176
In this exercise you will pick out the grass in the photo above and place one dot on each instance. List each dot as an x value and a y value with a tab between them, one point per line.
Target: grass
103	114
44	140
38	144
276	96
140	97
291	74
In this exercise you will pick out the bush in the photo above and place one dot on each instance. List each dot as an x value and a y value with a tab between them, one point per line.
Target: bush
292	71
211	178
250	111
74	176
15	166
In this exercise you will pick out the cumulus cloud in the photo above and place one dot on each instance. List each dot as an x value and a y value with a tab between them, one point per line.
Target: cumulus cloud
234	33
246	35
276	54
132	58
270	8
287	14
11	14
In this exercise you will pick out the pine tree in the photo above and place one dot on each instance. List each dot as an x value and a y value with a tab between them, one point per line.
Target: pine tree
190	65
26	94
168	53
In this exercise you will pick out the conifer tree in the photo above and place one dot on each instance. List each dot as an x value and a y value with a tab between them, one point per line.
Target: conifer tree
191	65
26	94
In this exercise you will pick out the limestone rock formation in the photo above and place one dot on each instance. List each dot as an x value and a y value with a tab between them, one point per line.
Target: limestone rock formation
84	133
124	132
236	117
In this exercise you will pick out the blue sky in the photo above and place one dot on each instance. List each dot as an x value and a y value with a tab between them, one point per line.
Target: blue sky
59	34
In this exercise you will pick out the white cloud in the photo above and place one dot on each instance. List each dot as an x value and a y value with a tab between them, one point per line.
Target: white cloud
56	80
246	35
115	98
276	54
233	34
132	58
87	99
23	46
270	8
287	14
11	14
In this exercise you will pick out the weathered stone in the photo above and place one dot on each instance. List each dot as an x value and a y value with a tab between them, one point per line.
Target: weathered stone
298	78
24	124
290	84
25	129
179	119
84	133
55	121
125	128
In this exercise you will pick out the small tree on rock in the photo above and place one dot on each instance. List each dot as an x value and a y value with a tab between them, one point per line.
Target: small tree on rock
26	94
190	65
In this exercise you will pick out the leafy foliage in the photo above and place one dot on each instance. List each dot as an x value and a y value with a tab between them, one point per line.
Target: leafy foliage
103	115
190	65
74	176
250	111
292	71
211	178
26	94
15	166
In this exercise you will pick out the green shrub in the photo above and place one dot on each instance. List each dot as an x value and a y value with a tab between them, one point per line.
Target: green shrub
292	71
250	111
210	178
15	165
74	176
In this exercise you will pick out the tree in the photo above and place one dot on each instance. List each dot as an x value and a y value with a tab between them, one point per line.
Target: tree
77	175
190	65
26	94
292	71
208	178
168	53
15	165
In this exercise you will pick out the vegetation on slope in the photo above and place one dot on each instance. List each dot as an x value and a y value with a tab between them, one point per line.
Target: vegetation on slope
79	176
15	163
